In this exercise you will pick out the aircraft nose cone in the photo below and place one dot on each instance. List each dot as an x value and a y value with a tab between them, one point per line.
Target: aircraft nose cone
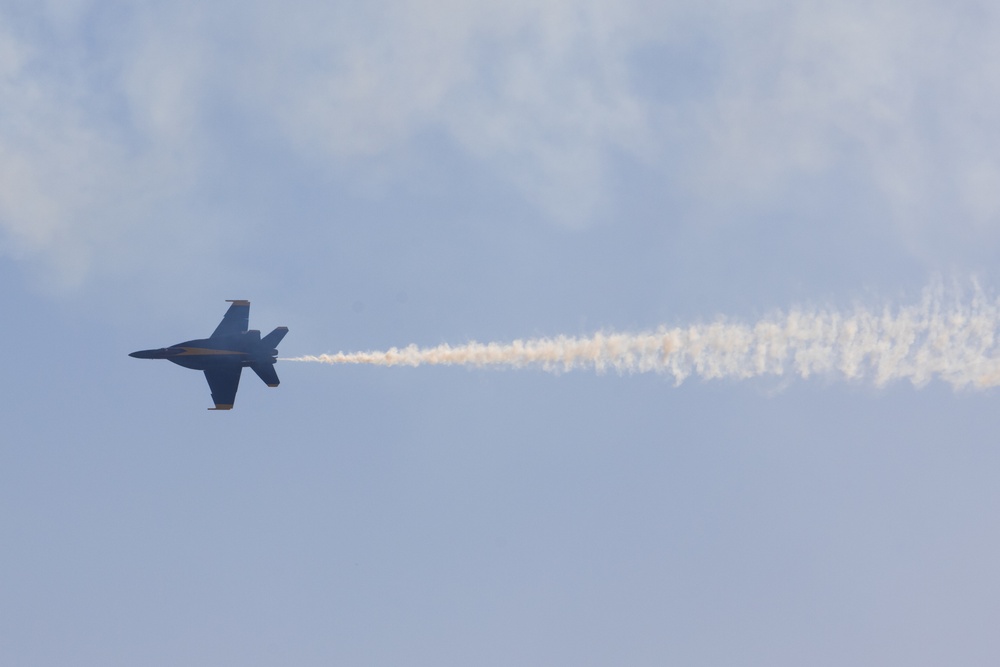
148	354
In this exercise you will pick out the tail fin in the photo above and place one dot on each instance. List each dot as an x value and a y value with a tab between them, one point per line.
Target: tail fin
272	339
265	369
266	373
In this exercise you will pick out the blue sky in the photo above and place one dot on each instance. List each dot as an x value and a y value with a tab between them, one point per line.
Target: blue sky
439	172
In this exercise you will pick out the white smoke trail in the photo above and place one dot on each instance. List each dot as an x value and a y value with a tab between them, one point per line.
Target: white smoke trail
953	339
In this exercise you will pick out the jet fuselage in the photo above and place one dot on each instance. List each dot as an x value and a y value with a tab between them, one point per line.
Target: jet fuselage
205	353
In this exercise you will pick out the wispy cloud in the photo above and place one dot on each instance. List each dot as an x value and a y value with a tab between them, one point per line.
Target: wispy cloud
892	93
733	106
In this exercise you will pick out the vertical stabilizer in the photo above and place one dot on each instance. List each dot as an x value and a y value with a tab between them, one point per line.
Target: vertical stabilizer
272	339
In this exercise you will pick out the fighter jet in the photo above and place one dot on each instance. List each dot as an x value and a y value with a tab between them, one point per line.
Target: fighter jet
224	354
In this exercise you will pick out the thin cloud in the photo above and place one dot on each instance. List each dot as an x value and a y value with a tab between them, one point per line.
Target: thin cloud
548	98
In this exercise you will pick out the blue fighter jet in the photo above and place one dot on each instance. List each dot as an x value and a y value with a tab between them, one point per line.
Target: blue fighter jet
224	354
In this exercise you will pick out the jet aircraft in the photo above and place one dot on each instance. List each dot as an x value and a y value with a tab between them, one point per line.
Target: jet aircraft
225	353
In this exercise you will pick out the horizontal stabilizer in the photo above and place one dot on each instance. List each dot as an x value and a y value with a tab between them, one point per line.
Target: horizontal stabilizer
272	339
266	373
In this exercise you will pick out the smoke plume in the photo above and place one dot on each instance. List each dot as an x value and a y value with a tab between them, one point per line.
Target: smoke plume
953	339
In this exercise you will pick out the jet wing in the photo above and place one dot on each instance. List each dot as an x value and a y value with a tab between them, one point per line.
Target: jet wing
224	382
236	319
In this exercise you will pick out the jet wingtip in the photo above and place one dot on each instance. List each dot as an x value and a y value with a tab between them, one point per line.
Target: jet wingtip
238	302
219	406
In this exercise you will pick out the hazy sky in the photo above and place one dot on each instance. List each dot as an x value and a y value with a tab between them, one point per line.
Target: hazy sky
437	172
